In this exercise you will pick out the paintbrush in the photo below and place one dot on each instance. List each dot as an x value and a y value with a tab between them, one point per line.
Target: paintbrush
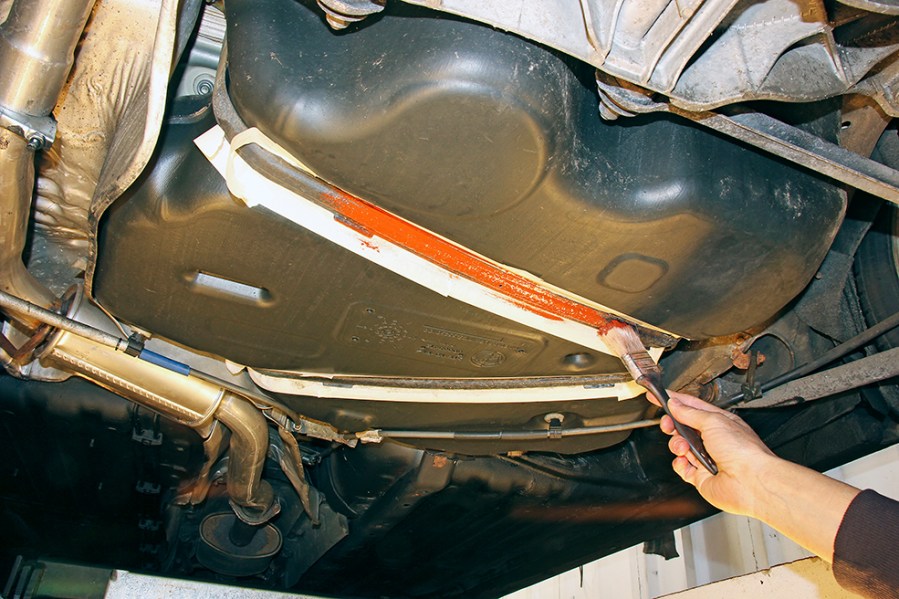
625	343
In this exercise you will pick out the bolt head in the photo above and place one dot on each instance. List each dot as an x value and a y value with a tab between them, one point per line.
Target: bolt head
204	86
336	22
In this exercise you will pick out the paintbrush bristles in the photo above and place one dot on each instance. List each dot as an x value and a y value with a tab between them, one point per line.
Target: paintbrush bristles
622	340
626	344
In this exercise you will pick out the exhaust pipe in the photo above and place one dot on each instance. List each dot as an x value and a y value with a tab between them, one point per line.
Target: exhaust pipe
37	43
189	400
16	184
37	46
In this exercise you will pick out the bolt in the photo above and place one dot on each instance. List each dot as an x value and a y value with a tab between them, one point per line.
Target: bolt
204	86
35	143
336	22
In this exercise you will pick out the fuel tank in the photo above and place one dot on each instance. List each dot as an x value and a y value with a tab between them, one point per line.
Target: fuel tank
484	138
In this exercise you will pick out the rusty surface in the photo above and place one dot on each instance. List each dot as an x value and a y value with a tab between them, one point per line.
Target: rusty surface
862	123
742	360
23	354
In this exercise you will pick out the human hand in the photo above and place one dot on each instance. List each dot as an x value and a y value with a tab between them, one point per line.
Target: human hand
741	455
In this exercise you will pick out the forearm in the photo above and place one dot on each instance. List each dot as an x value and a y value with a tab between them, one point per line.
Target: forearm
806	506
803	504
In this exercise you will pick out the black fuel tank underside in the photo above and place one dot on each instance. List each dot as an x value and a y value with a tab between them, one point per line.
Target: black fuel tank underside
182	258
496	143
485	138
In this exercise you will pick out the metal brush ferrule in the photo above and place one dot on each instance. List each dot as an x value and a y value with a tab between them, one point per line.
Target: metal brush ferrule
639	364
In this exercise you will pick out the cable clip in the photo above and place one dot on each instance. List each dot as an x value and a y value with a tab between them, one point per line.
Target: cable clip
135	345
555	421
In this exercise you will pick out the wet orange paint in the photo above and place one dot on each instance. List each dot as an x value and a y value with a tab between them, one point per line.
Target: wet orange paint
364	217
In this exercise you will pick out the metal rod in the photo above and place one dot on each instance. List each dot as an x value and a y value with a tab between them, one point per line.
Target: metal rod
32	311
848	346
795	145
516	435
845	377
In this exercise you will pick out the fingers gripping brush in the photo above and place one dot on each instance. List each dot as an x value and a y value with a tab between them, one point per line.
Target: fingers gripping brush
624	341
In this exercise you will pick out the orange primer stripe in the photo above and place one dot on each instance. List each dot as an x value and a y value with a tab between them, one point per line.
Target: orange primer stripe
525	293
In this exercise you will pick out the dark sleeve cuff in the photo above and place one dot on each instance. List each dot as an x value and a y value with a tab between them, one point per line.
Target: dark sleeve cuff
866	548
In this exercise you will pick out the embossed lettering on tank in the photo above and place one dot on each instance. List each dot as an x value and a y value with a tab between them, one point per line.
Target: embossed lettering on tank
423	338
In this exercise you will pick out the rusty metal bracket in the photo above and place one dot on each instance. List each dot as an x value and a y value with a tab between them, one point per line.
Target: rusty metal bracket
879	367
839	351
24	354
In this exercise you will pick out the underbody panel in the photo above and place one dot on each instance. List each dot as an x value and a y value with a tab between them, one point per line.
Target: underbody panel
360	298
